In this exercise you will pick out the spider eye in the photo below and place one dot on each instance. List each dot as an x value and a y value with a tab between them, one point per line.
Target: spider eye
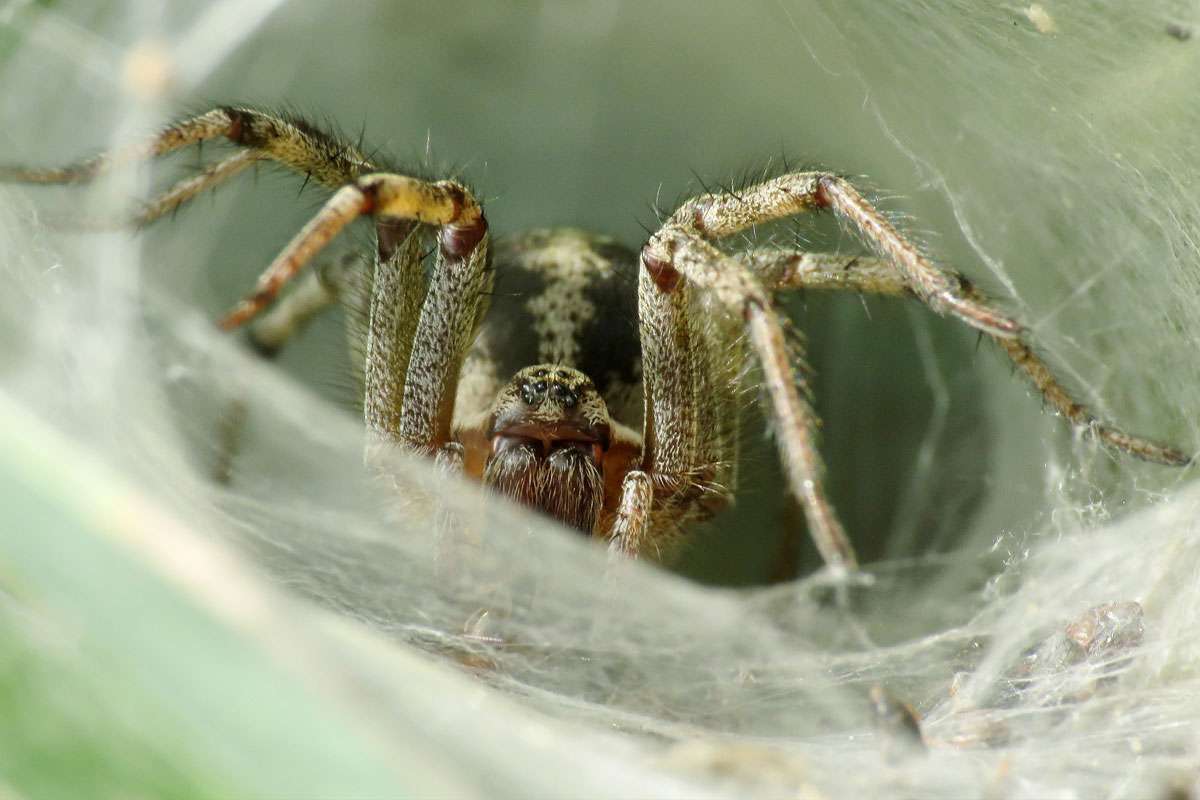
533	393
563	396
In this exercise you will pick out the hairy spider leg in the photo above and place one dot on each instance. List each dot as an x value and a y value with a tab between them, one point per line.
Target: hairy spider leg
682	248
211	125
397	202
942	290
169	201
318	290
434	346
678	252
794	269
690	421
292	143
386	196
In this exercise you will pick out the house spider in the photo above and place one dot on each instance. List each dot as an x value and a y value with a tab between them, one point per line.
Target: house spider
562	436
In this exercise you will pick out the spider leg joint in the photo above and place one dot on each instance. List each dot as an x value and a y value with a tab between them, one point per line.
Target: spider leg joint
821	197
458	240
663	273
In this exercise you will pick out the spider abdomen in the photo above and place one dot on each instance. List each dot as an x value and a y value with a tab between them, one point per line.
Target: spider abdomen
566	297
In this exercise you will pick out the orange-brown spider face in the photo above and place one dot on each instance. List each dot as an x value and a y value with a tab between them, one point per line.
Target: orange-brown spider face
549	431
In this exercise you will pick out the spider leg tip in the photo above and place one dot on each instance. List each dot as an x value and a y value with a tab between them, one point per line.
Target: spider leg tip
1169	457
235	318
1180	459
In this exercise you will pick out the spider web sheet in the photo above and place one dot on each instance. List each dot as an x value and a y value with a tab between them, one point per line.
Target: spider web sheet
301	632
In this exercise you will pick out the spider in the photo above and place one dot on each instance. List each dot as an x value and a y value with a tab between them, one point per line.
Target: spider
624	435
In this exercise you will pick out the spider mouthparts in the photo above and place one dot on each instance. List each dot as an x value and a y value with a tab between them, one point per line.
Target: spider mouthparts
546	439
554	469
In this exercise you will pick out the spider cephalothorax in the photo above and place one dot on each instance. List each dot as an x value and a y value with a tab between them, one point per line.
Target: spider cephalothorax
627	427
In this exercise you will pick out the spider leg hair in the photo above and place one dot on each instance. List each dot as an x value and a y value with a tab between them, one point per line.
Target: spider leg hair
717	216
793	269
168	202
682	251
383	195
319	290
398	204
678	252
191	131
288	140
633	514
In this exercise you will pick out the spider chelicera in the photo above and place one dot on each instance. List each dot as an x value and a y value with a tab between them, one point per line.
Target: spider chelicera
627	433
